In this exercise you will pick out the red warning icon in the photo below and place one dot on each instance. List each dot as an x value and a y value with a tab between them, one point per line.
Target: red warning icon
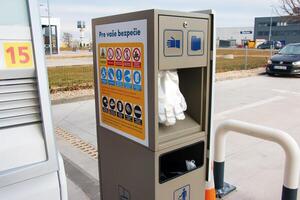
118	61
110	53
136	55
118	53
127	57
127	54
110	56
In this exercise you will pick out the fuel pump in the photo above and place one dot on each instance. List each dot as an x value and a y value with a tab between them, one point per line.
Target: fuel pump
30	167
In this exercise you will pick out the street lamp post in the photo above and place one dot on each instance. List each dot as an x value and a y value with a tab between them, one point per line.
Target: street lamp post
270	32
49	29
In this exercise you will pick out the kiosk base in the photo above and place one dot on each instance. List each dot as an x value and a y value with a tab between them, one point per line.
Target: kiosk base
227	189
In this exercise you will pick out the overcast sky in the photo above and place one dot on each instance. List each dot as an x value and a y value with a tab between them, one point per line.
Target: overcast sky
230	13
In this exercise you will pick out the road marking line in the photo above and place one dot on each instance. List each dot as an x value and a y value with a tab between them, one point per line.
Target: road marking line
223	114
286	92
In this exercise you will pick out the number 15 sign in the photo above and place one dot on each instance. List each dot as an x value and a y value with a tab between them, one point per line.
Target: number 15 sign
16	55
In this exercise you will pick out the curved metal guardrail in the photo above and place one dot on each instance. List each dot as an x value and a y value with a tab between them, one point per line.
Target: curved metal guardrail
289	145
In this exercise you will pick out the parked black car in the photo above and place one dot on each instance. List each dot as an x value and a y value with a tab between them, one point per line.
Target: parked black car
287	61
268	44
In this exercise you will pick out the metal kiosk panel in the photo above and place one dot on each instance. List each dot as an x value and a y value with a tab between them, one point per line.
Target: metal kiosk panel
138	157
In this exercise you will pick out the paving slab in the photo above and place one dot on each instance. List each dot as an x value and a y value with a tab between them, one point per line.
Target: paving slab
74	192
254	166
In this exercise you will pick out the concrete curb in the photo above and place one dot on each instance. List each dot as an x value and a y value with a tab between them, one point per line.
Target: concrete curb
218	78
84	181
71	100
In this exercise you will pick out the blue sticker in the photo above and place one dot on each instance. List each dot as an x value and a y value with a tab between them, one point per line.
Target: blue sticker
111	76
173	43
103	75
195	43
127	79
137	80
182	193
119	77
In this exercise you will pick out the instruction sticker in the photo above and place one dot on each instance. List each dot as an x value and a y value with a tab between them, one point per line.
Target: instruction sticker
119	77
111	76
119	56
182	193
127	57
110	56
16	55
122	75
136	55
137	80
103	72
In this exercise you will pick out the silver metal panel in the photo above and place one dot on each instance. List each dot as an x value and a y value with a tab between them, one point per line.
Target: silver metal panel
18	112
188	58
18	104
19	96
17	107
19	120
17	88
14	74
17	81
51	164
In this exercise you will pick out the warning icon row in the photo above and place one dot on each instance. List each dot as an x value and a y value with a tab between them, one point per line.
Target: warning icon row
123	110
122	56
124	78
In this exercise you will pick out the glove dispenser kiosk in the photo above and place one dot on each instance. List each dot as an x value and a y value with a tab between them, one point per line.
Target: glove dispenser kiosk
139	158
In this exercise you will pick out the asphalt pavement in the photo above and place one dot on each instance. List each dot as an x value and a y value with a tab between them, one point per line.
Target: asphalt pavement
254	166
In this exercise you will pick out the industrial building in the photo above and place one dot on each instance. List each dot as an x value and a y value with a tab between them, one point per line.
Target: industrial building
234	36
283	29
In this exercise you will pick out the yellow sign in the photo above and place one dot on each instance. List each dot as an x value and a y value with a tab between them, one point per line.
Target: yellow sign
18	55
121	79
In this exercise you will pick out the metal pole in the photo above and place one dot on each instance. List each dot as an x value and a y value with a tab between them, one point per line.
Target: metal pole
270	33
246	57
289	145
49	28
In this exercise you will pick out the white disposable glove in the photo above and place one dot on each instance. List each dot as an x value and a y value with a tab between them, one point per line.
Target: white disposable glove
171	103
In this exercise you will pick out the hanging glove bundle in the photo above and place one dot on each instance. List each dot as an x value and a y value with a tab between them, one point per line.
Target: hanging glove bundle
171	103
